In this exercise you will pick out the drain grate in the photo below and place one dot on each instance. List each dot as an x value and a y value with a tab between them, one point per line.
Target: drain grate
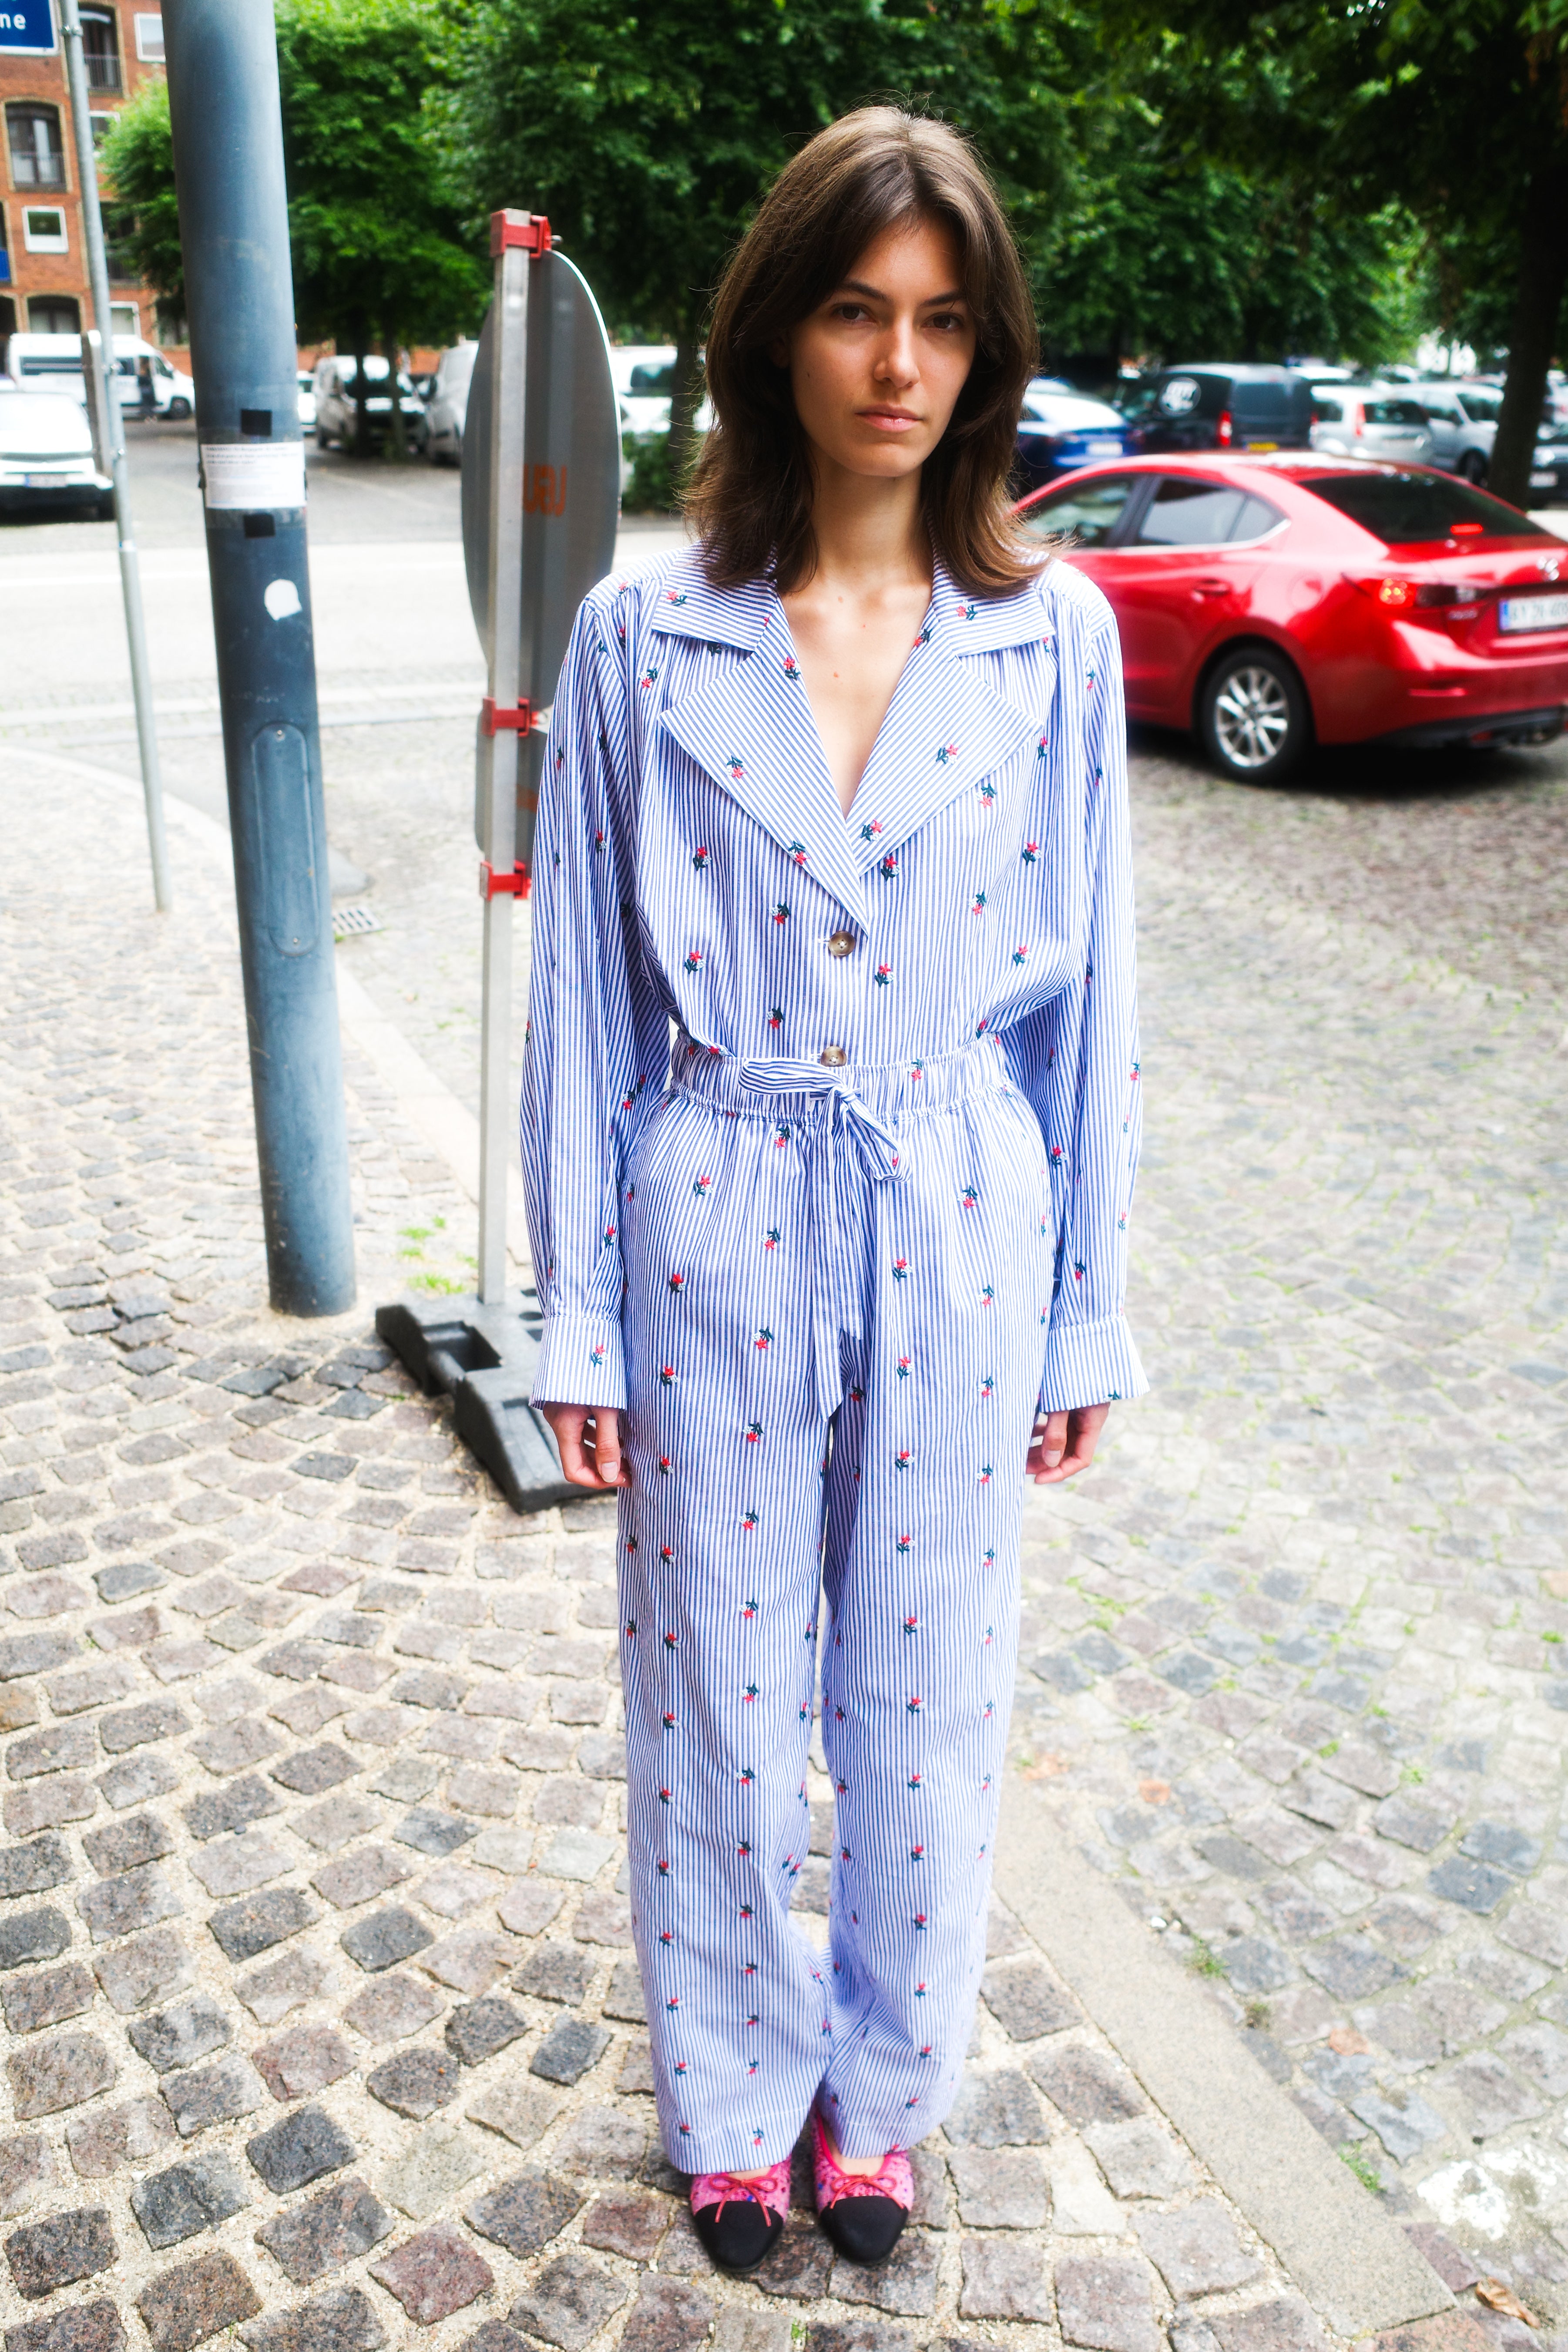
347	920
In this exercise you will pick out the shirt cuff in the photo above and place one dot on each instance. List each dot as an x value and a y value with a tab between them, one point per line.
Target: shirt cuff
1090	1363
580	1361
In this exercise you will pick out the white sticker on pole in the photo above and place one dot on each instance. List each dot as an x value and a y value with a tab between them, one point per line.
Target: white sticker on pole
254	475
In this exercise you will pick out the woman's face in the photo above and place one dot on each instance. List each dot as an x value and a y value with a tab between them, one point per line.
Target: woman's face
877	368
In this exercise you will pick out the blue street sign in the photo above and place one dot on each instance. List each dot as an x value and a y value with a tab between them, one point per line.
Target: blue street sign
28	28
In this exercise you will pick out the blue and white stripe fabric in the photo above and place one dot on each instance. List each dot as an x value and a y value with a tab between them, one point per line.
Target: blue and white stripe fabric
829	1249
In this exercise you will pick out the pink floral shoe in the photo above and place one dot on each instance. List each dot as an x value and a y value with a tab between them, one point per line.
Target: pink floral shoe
741	2222
863	2213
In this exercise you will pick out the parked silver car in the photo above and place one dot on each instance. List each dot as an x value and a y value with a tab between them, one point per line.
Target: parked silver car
1371	420
449	404
45	456
1463	421
337	405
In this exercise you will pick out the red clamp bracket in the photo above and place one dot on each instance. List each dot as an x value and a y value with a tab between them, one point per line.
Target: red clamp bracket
496	719
502	885
529	230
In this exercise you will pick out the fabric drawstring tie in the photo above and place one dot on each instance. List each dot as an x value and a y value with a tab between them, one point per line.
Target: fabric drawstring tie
850	1122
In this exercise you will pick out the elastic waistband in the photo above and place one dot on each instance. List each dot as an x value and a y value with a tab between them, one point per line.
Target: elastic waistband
892	1093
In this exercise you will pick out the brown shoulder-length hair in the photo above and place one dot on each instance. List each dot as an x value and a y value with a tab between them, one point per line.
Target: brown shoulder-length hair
751	497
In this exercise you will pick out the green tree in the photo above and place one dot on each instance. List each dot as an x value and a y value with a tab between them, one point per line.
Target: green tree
1460	115
647	136
141	215
1168	251
382	252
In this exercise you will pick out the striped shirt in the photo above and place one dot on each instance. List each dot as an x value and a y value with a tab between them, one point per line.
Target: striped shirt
692	866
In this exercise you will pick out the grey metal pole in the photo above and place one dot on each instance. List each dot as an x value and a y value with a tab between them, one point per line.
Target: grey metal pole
497	1111
130	562
228	125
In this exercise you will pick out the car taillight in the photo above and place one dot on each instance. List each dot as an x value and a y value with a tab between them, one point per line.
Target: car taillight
1396	595
1223	429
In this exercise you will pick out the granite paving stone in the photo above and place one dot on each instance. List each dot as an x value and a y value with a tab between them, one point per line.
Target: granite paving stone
1103	2302
321	2233
85	2328
434	2274
340	2320
301	2148
177	2036
46	2076
1005	2277
569	2302
44	2255
187	2197
524	2212
184	2306
1197	2250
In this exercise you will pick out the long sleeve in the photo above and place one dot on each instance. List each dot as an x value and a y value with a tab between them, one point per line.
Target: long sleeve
595	1031
1077	1058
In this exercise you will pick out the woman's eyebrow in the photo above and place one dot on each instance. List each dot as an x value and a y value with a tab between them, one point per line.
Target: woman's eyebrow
877	294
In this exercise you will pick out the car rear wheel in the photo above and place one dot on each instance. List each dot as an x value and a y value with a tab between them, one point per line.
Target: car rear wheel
1253	716
1473	467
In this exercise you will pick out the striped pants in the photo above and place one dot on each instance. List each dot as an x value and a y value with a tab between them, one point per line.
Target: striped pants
833	1330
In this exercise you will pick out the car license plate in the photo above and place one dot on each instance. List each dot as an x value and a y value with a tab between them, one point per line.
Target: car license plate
1517	613
1263	444
40	481
1542	481
1103	449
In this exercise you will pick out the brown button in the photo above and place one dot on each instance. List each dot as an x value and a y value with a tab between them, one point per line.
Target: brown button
832	1056
842	943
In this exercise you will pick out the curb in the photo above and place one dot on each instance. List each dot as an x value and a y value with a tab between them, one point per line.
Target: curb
1351	2260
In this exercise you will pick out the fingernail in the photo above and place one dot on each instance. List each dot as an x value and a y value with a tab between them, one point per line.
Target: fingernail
1052	1460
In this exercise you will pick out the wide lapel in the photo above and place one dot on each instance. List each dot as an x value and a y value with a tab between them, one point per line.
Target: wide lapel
947	728
749	727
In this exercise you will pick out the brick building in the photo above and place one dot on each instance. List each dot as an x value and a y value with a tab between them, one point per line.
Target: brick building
43	258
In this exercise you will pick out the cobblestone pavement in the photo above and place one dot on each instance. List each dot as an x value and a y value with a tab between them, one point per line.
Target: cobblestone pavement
311	1782
1299	1674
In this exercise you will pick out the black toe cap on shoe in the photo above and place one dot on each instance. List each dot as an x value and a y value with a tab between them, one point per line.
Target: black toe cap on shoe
866	2228
738	2234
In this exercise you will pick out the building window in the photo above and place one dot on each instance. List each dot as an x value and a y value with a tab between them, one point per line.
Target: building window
37	158
150	40
53	314
102	124
4	251
101	49
126	318
44	229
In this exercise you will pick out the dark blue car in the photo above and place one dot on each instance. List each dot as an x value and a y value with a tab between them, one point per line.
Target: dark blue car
1060	430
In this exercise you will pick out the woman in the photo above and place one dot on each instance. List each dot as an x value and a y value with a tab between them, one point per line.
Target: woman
840	793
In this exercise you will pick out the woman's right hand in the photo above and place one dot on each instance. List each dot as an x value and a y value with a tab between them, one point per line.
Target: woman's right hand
590	1439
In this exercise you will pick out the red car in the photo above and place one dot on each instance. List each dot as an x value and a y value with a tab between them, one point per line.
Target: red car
1268	602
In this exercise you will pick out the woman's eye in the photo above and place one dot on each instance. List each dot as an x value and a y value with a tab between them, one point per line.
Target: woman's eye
850	311
948	321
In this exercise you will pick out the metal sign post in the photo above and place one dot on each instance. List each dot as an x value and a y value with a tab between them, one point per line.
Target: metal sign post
227	120
112	425
541	503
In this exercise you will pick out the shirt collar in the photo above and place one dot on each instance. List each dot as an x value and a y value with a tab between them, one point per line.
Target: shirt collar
687	605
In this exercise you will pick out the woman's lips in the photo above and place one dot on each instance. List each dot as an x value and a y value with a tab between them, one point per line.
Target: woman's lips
889	420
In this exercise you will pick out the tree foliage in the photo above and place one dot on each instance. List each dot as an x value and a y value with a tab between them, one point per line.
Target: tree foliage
1460	115
648	135
382	247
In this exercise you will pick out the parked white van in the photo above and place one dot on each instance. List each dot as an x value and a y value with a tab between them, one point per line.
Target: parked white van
53	363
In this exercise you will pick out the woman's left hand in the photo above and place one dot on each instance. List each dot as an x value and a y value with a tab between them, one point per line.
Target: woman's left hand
1064	1442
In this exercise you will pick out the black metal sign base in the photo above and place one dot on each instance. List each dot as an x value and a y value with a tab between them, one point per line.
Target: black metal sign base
483	1358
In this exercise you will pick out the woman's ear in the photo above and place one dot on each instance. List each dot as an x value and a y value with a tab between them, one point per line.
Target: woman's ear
778	352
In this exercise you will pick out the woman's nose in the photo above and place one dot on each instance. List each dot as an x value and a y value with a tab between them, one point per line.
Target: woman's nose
896	361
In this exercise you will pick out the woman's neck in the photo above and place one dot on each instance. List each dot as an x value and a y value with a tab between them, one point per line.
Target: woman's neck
869	534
